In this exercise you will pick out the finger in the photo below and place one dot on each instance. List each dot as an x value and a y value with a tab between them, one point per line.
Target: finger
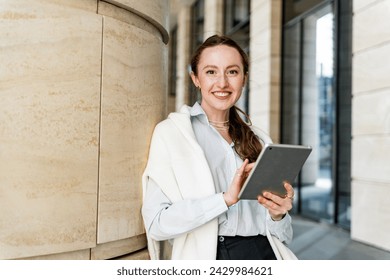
263	201
244	164
240	173
275	203
289	190
274	210
274	198
269	204
249	167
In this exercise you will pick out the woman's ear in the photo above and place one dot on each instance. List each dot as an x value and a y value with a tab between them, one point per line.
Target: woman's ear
245	80
195	79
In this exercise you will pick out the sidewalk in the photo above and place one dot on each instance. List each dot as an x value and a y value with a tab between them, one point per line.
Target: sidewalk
321	241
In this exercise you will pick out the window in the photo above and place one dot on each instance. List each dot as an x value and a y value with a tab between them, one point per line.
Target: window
314	107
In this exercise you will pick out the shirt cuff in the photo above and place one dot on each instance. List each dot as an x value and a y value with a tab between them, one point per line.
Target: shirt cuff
285	220
213	206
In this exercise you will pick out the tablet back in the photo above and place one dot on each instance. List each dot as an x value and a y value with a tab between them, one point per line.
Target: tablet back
276	164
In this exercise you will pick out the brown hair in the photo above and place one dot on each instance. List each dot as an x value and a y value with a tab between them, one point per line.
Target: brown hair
246	143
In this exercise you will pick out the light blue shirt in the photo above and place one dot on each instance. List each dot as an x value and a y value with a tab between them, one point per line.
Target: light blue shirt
165	220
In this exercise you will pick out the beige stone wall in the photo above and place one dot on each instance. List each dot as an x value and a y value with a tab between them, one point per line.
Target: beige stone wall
82	85
265	61
213	18
371	123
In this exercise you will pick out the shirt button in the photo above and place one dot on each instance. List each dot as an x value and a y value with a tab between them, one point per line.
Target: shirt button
221	238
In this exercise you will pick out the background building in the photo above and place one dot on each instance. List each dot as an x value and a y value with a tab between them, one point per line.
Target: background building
83	84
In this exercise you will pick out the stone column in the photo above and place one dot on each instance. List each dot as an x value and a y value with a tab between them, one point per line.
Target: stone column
265	60
183	57
213	18
370	185
83	84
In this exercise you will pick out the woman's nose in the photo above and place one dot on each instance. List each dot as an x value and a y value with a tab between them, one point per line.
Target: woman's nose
223	81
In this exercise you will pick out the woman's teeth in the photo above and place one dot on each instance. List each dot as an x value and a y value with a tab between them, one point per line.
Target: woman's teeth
221	94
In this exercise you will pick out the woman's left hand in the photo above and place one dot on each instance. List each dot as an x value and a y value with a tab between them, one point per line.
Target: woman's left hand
277	206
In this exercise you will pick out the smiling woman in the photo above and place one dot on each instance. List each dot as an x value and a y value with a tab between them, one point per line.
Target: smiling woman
220	79
198	161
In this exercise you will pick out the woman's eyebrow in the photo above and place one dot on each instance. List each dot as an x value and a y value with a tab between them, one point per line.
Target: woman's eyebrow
233	66
215	67
210	66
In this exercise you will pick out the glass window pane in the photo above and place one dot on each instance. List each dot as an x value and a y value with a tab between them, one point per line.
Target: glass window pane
318	115
309	109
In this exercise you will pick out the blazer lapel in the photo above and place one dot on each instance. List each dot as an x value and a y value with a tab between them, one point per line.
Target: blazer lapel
182	121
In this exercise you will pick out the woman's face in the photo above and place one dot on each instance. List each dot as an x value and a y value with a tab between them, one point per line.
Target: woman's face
220	77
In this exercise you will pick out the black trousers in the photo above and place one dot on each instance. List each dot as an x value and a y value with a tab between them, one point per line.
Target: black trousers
244	248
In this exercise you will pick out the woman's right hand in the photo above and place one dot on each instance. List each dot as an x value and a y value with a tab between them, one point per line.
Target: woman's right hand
231	195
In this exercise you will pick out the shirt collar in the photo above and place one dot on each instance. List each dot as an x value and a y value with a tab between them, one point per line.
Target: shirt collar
196	110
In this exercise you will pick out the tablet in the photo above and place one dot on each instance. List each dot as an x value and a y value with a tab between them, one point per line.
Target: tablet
276	164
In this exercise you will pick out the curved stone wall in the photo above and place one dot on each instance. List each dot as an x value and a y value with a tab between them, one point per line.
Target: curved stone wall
83	84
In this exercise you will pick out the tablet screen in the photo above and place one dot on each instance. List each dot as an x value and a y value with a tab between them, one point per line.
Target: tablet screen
276	164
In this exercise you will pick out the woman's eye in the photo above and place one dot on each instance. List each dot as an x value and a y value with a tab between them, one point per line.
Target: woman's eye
210	72
232	72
